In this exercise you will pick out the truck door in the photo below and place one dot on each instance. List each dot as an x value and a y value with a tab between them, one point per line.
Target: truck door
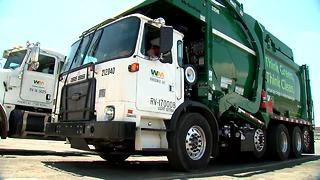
38	83
155	80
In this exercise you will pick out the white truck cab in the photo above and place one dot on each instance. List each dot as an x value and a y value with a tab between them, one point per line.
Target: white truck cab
28	80
111	85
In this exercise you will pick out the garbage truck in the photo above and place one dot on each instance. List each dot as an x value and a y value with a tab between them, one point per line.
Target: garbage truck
27	86
185	79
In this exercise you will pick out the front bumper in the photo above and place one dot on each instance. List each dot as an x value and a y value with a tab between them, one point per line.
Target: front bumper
110	130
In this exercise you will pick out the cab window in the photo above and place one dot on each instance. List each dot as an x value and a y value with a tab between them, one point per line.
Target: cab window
151	41
46	65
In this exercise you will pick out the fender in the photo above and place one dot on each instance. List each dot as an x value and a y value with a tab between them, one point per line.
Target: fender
3	123
193	106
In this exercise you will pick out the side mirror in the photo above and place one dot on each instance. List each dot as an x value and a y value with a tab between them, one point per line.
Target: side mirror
166	39
35	51
166	42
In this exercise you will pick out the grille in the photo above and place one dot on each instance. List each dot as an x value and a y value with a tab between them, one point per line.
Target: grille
77	101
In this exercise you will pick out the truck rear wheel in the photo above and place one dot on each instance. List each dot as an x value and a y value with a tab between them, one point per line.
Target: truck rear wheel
306	140
190	143
279	142
296	139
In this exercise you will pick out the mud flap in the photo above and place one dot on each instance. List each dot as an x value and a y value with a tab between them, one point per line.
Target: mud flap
247	141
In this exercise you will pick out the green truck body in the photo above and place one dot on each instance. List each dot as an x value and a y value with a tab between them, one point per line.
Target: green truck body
241	59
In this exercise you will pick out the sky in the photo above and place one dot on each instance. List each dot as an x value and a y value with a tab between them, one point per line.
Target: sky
57	24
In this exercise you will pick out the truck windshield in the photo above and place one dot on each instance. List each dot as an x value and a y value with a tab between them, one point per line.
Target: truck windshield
117	40
15	59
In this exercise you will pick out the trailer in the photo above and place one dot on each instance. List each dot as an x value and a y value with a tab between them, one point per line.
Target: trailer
27	87
185	79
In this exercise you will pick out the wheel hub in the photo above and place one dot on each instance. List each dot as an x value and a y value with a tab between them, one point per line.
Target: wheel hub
195	142
283	142
299	141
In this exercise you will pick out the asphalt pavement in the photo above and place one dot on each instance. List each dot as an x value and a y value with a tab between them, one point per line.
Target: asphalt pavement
44	159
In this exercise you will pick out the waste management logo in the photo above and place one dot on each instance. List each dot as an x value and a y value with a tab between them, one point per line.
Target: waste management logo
157	74
38	82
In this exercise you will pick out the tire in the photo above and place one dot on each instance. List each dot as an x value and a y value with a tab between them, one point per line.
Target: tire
15	123
114	158
3	125
296	142
260	143
306	140
190	143
279	142
105	154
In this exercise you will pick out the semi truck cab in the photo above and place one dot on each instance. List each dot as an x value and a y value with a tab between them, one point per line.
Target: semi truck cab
27	86
114	89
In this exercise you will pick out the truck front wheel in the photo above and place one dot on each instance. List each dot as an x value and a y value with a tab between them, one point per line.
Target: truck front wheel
114	158
15	123
191	143
109	156
279	142
260	143
3	125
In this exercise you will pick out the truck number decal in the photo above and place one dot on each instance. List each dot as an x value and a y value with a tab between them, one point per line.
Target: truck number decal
163	105
37	90
108	71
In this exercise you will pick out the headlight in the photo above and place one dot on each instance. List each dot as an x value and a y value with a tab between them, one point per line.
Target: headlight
109	111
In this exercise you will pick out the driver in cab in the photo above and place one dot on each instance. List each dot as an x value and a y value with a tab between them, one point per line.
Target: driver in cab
154	49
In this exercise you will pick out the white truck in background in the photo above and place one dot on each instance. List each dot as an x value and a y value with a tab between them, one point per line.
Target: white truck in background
27	84
2	62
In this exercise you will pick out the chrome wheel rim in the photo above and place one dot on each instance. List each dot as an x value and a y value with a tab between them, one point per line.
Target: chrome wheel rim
259	140
195	142
283	142
298	141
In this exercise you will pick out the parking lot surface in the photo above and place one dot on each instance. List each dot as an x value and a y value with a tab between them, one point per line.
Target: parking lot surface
46	159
